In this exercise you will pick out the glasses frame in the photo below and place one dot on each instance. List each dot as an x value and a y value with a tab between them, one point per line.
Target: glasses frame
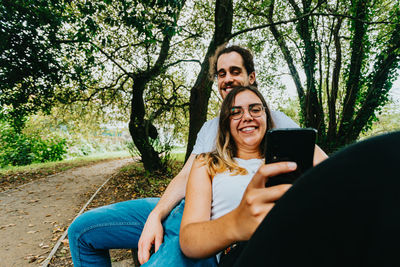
249	109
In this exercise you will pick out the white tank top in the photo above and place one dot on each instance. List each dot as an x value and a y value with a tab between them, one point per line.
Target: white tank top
227	190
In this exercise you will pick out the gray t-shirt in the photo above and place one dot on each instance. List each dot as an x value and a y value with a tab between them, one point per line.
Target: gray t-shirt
206	138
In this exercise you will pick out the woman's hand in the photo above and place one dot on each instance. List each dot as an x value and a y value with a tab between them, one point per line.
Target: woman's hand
258	200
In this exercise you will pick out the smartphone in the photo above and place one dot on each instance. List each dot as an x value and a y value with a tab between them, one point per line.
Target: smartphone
290	144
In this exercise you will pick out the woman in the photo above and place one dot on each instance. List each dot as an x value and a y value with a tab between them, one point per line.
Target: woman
216	215
343	212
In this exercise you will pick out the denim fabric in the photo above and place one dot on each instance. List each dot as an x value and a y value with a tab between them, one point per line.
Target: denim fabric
119	225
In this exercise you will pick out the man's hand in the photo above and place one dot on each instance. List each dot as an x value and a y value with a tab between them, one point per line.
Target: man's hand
258	200
153	231
152	234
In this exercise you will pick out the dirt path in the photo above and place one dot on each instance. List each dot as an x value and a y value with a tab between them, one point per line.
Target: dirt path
33	216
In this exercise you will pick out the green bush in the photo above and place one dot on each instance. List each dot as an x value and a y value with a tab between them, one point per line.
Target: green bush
163	149
52	149
18	149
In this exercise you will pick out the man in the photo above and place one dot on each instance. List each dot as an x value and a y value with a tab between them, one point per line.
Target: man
120	225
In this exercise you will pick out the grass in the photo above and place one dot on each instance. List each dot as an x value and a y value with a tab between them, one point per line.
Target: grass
14	176
64	164
180	156
11	177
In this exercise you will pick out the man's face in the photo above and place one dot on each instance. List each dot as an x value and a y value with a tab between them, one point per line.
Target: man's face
231	72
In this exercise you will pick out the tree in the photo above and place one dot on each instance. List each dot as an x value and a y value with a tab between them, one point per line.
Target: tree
131	52
200	92
117	48
28	65
349	55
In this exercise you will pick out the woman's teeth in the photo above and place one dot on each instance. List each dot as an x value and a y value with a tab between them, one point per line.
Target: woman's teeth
248	129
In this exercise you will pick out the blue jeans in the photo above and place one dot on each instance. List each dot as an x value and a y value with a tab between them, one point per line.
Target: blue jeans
119	225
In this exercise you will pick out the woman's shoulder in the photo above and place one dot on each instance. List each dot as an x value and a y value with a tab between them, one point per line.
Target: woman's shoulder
202	161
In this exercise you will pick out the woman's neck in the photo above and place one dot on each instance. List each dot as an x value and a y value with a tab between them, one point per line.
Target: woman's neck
248	154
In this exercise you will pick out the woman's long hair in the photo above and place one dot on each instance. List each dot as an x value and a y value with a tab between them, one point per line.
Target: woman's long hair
221	159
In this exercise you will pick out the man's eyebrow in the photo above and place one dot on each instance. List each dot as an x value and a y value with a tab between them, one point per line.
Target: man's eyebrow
235	68
230	68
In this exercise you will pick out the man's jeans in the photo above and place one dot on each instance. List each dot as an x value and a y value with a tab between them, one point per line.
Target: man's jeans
119	225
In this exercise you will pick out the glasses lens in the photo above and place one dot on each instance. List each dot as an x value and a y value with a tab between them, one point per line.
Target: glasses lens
256	110
236	113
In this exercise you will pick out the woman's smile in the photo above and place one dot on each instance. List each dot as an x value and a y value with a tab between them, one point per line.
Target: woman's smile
248	129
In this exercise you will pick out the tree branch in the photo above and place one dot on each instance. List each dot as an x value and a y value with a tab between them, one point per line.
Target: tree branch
102	51
182	60
262	26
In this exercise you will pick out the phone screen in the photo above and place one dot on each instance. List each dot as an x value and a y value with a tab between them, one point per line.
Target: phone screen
291	144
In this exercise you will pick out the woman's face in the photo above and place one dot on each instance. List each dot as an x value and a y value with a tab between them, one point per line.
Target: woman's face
248	131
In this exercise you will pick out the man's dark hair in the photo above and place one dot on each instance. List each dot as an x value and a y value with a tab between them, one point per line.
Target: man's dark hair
246	56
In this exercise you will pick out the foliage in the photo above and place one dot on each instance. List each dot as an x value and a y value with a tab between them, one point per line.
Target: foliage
85	127
342	58
133	60
163	148
19	149
29	69
120	48
388	119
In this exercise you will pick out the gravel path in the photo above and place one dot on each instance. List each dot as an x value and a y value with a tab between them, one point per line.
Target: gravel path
33	216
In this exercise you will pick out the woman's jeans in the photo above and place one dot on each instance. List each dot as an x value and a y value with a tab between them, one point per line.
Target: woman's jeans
120	225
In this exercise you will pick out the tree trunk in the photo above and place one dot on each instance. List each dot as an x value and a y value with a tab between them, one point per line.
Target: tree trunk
311	106
139	129
200	92
353	81
385	69
332	97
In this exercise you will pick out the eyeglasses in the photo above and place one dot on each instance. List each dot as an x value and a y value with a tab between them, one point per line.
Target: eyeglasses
255	110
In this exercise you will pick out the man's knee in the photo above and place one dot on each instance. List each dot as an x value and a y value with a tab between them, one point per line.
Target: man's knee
75	229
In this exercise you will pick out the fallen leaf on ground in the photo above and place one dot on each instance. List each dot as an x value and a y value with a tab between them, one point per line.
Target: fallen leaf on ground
57	230
65	242
31	258
7	225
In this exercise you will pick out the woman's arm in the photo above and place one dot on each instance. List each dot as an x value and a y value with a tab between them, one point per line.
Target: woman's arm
200	237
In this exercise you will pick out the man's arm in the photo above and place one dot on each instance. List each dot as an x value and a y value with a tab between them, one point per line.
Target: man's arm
153	230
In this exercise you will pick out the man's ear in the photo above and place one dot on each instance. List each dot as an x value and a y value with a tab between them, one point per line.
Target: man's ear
252	78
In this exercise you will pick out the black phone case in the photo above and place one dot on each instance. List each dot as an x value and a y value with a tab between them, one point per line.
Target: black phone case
291	144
